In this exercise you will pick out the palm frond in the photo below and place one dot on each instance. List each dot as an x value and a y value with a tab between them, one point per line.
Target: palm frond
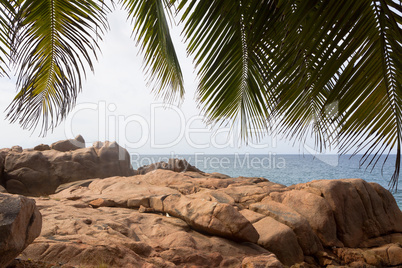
343	52
53	41
7	16
151	30
221	36
331	69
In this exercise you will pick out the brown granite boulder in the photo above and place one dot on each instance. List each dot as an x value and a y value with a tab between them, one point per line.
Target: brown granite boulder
211	217
307	239
279	239
315	209
37	173
361	210
20	224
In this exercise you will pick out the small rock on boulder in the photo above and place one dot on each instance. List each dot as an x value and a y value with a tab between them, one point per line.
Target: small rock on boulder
69	145
20	224
174	164
17	149
42	147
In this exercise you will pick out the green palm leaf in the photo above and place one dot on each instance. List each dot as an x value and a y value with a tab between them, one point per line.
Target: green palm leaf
343	52
330	69
151	30
222	40
52	42
7	16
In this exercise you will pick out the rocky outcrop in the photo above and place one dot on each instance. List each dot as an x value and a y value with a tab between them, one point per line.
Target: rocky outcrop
39	172
174	215
20	224
123	237
183	219
174	164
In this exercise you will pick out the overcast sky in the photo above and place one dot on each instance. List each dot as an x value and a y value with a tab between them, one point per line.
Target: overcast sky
116	104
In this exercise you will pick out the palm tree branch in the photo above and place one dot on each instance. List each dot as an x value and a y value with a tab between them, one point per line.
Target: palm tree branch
151	30
49	55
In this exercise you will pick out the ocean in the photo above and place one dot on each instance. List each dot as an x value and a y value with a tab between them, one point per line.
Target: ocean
285	169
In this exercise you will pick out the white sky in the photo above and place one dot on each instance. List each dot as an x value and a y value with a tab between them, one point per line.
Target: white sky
116	101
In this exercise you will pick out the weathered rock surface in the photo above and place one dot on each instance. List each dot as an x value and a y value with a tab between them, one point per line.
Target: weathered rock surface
20	224
361	210
40	172
188	218
123	237
261	261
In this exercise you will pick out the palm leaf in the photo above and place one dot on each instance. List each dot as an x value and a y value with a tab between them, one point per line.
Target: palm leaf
221	37
344	52
50	54
330	69
151	30
7	16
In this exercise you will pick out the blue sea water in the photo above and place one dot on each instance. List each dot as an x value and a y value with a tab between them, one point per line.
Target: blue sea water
286	169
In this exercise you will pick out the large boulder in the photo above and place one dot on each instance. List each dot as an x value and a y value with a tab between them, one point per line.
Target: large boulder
361	210
20	224
315	209
279	239
211	217
36	173
307	239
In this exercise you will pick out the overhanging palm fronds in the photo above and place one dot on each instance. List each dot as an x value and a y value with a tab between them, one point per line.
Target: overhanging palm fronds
7	16
343	52
151	30
53	41
307	56
222	39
